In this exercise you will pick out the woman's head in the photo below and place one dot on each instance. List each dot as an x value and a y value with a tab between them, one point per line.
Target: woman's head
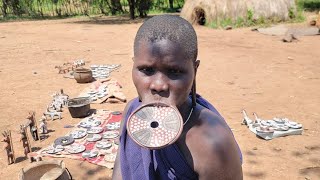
168	27
165	52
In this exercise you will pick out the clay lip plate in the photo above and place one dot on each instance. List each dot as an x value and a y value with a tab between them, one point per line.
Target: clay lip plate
95	130
103	144
75	148
78	133
155	104
113	126
90	154
94	137
110	134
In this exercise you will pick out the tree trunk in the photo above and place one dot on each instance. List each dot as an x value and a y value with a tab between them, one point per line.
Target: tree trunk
143	6
131	7
171	4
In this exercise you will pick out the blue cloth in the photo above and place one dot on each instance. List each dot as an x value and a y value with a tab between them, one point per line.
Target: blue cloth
138	163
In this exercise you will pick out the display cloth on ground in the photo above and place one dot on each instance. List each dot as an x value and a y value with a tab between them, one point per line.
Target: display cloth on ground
102	90
95	139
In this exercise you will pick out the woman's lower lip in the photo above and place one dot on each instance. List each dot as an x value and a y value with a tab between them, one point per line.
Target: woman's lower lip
157	101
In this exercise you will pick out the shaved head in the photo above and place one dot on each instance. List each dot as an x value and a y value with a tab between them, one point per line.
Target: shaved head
168	27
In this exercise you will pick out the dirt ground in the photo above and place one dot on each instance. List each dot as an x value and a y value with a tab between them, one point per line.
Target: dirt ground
240	69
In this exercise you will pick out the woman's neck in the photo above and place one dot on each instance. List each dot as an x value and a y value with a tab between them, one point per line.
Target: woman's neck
185	109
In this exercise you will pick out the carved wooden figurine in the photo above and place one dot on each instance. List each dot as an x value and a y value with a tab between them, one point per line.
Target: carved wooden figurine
25	141
33	125
7	147
43	125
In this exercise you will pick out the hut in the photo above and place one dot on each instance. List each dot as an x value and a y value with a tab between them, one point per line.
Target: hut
207	11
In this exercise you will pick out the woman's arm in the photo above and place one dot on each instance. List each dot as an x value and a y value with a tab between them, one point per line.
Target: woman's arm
116	175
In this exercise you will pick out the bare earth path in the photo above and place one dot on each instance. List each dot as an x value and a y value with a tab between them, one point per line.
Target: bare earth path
239	69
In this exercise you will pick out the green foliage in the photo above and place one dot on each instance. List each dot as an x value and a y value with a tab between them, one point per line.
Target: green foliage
160	11
250	20
240	22
213	25
261	20
249	14
225	22
292	13
308	5
61	8
300	17
38	9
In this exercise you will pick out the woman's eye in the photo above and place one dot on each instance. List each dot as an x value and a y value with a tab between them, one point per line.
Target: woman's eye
147	70
174	71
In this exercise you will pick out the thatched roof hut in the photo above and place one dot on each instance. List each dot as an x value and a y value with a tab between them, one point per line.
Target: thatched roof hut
201	11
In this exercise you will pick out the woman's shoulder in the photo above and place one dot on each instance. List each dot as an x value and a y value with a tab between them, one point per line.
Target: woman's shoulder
210	118
210	132
131	105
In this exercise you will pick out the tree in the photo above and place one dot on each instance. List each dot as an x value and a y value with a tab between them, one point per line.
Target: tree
116	6
143	6
171	4
4	7
131	8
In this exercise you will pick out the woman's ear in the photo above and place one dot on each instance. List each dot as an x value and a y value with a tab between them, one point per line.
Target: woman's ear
196	65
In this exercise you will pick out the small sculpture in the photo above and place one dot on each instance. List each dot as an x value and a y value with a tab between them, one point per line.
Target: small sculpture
63	69
34	157
67	67
64	97
52	113
24	140
33	126
8	146
78	63
43	125
246	119
55	108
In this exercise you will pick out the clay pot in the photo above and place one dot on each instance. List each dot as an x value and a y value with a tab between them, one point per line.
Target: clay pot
79	107
82	75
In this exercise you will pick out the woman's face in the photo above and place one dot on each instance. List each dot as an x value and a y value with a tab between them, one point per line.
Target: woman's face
162	73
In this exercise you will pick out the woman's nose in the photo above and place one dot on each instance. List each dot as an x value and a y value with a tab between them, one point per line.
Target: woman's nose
159	83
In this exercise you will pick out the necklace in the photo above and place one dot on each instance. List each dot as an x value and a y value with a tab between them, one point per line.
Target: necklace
188	116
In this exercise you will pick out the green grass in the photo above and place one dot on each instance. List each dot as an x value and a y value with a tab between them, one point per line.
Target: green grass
10	18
